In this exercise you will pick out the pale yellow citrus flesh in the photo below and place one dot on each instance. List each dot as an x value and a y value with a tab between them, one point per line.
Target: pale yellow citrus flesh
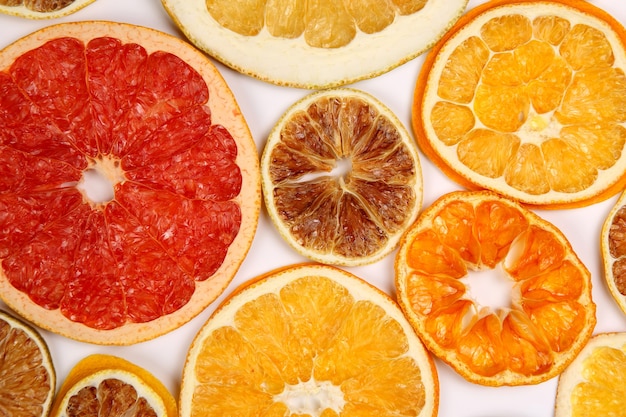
352	217
594	384
27	375
528	99
548	314
317	43
330	345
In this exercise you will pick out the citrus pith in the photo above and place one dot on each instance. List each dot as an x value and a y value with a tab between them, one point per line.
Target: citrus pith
152	116
315	44
527	98
545	318
311	340
341	177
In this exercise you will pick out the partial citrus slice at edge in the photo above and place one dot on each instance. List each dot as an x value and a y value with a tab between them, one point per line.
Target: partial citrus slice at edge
613	249
330	344
46	9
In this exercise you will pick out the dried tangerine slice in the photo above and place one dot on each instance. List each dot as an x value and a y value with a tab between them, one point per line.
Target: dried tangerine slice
528	99
613	247
593	385
311	340
42	9
108	385
314	44
129	186
27	375
341	177
467	241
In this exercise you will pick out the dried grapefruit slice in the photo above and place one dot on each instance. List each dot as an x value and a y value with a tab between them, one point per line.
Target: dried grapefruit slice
613	246
108	385
469	240
528	98
151	117
308	340
593	385
341	177
27	375
42	9
314	44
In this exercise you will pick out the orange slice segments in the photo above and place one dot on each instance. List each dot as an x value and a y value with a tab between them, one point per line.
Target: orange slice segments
527	337
528	99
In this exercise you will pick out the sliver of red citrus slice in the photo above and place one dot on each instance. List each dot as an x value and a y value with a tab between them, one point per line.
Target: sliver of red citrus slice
152	118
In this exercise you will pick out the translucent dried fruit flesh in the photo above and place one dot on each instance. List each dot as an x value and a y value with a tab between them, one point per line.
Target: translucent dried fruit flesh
549	314
27	379
342	177
534	78
324	23
323	352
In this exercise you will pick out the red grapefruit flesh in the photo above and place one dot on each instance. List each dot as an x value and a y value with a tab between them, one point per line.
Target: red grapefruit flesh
152	117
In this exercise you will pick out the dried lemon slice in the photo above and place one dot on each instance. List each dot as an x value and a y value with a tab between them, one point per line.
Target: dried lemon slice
341	177
42	9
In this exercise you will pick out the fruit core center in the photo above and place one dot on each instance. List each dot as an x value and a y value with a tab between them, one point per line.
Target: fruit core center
341	170
538	128
311	398
489	288
99	179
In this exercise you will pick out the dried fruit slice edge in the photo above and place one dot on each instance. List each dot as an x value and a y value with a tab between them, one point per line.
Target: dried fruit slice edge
93	369
46	361
45	9
613	248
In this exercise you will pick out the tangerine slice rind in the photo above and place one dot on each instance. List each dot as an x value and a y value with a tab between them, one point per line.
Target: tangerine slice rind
607	182
565	342
294	63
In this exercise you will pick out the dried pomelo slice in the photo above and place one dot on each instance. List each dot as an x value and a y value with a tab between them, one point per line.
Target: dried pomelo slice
341	177
308	340
129	186
593	385
613	246
42	9
472	241
314	44
105	385
528	98
27	376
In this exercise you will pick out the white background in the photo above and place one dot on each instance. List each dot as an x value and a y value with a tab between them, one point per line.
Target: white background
262	104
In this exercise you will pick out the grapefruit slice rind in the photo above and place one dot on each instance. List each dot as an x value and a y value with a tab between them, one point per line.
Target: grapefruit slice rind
182	192
292	62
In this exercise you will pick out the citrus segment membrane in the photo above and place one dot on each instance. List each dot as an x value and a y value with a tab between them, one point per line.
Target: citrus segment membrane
42	9
593	384
153	120
525	339
528	99
612	241
108	385
341	177
27	375
314	44
308	340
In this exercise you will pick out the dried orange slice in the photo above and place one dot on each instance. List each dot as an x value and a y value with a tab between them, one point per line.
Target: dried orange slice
108	385
613	246
494	290
42	9
314	44
129	188
528	99
341	177
27	375
311	340
593	385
